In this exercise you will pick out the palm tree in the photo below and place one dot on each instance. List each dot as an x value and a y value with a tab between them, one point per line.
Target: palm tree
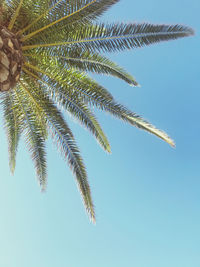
46	48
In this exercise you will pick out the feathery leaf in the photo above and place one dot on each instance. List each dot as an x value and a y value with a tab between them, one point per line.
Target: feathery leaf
117	37
49	47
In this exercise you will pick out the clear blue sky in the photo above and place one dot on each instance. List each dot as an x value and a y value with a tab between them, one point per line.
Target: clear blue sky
147	194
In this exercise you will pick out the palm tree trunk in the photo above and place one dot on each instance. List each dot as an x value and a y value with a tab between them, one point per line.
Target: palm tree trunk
10	59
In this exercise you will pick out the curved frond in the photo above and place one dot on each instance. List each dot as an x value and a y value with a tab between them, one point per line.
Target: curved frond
76	109
65	141
33	136
92	62
77	11
75	83
47	49
121	112
101	101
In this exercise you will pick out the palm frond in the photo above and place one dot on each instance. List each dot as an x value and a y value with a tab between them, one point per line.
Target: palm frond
76	109
33	135
86	61
48	47
63	138
101	101
76	83
118	37
12	22
76	11
65	141
13	127
40	17
121	112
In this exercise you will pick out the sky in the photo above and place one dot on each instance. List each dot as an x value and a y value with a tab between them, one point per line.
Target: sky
146	193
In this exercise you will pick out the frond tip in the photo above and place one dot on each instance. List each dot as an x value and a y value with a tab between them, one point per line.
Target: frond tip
151	129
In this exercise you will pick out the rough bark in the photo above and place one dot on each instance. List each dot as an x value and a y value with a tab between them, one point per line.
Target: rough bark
11	59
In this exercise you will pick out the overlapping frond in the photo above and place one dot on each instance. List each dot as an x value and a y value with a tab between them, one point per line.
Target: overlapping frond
76	109
98	64
65	141
33	134
102	101
87	61
15	15
71	12
60	43
121	112
13	127
75	83
63	137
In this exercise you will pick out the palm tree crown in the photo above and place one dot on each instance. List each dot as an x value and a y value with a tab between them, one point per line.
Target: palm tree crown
46	48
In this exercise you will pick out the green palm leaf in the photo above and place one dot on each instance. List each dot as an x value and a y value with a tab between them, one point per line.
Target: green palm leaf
74	11
13	127
65	141
95	98
117	37
46	50
91	62
33	136
77	109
